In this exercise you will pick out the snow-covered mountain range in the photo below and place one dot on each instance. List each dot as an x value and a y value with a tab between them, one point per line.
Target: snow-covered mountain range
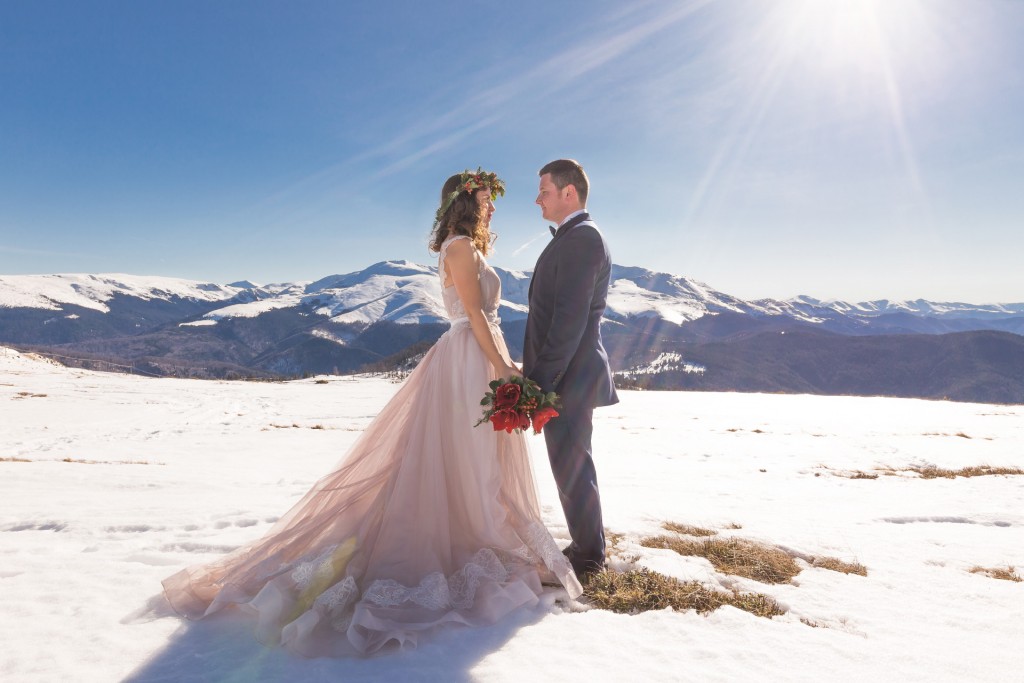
408	293
660	330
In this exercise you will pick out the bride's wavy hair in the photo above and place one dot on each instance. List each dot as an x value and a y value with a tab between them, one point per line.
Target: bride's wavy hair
465	216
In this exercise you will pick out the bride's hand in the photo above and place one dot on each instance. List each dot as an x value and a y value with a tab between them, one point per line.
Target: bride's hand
511	370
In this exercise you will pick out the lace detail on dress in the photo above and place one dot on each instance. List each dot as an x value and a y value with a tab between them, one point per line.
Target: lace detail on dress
435	592
337	601
432	592
463	584
540	542
339	595
520	555
319	568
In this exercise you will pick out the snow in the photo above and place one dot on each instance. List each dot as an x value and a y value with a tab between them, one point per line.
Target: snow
129	479
409	293
626	298
92	291
398	292
664	362
288	298
919	307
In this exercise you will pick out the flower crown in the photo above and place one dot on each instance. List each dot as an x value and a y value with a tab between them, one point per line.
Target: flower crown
471	181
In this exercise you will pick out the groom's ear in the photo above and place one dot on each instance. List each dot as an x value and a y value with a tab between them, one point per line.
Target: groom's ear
573	194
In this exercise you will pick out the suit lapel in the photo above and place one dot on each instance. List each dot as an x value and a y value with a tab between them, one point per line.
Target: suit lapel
561	231
571	224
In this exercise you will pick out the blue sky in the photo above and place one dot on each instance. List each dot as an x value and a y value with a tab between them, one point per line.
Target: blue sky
852	149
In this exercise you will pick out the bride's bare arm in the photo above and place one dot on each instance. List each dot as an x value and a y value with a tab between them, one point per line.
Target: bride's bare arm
461	266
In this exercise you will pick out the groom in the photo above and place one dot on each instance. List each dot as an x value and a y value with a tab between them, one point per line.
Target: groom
562	351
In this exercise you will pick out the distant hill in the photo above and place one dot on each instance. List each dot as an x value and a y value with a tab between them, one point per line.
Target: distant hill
387	313
983	366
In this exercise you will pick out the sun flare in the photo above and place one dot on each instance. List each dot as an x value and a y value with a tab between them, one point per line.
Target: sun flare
823	73
845	37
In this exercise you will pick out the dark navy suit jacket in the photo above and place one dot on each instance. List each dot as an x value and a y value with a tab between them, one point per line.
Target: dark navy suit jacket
562	350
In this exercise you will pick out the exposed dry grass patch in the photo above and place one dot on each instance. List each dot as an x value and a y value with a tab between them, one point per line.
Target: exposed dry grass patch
836	565
1004	573
295	425
974	471
688	529
847	474
612	548
961	434
612	539
320	381
14	459
734	525
929	472
111	462
735	556
28	394
642	590
857	474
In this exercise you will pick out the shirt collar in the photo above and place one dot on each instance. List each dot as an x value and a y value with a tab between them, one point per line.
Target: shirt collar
571	216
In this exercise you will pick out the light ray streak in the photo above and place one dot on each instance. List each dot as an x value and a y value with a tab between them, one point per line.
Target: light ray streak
568	67
895	102
431	135
745	125
530	241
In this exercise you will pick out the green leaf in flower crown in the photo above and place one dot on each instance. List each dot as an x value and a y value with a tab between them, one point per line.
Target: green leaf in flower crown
495	384
486	400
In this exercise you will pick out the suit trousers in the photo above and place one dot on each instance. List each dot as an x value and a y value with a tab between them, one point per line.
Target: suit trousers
568	439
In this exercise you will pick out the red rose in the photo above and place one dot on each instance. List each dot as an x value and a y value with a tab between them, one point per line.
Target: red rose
506	419
507	396
541	417
524	421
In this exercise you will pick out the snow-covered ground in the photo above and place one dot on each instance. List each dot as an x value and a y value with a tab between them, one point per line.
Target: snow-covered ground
109	483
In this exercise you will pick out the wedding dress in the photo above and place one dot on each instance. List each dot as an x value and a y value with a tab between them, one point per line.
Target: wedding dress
427	521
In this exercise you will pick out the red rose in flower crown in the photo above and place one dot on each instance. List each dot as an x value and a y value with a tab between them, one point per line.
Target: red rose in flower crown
516	403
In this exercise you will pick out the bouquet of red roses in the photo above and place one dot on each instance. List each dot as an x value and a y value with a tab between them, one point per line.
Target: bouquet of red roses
516	403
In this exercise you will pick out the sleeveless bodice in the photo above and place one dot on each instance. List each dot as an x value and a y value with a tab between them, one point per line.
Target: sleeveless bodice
490	286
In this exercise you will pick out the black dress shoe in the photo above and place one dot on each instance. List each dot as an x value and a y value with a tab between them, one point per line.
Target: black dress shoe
584	569
588	571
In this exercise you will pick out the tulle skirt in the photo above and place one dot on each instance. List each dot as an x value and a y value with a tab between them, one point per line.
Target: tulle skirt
427	521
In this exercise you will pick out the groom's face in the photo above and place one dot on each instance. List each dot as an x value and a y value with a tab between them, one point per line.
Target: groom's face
555	204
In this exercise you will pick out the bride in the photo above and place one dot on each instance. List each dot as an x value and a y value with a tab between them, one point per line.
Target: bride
426	521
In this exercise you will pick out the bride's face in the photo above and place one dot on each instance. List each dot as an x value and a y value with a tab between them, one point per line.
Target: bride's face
483	197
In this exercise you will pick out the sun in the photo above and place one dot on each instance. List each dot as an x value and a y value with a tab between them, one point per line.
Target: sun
846	38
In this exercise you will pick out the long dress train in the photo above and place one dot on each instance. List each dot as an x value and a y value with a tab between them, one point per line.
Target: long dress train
427	521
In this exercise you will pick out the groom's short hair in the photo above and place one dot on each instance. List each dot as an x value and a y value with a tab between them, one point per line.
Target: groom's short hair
568	172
